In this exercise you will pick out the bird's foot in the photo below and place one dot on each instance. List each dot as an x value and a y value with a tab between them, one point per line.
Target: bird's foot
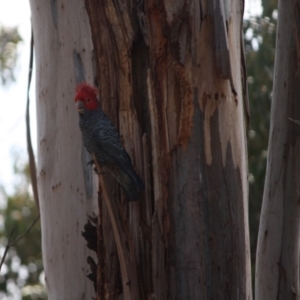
99	173
91	162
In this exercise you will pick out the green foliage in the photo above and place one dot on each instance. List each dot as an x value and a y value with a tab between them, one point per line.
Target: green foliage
260	35
268	7
23	264
9	40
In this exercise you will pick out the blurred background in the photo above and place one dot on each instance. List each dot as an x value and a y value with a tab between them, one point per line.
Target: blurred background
22	276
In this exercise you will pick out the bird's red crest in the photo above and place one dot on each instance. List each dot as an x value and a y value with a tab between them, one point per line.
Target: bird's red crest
84	90
87	94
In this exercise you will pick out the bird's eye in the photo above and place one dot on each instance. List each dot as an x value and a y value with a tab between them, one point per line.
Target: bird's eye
88	99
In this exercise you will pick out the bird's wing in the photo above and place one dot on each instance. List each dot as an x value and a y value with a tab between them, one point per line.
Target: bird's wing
109	140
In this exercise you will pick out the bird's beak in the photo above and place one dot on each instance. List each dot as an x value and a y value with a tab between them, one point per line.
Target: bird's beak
80	106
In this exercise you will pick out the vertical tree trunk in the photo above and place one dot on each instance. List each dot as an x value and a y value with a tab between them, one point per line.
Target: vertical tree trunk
277	263
62	47
171	77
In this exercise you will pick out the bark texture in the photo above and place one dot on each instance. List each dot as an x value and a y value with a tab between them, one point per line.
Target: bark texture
277	263
171	77
62	46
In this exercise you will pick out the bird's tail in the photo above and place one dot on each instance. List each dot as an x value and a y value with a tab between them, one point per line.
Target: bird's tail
131	183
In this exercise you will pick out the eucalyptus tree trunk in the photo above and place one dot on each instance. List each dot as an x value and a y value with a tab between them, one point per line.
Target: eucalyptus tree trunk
171	76
62	46
277	262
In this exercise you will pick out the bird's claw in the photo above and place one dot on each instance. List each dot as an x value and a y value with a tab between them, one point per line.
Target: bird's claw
91	162
97	172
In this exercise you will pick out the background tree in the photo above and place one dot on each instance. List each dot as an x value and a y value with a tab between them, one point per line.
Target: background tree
260	34
277	264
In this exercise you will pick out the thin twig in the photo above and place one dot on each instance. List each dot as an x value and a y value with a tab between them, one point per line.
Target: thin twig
32	165
11	244
26	232
6	248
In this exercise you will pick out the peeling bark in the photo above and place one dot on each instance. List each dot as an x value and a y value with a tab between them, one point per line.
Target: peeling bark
181	115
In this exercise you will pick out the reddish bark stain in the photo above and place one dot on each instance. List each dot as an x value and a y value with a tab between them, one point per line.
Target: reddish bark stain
204	100
187	106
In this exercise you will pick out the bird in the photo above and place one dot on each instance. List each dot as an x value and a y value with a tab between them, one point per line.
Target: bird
101	138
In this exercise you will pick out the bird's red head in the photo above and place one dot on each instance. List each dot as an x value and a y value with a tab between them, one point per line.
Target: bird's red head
86	97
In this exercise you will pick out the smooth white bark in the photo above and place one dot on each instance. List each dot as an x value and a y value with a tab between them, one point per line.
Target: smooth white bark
60	28
277	262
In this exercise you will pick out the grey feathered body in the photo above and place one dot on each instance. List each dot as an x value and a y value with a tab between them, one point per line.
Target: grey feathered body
101	138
